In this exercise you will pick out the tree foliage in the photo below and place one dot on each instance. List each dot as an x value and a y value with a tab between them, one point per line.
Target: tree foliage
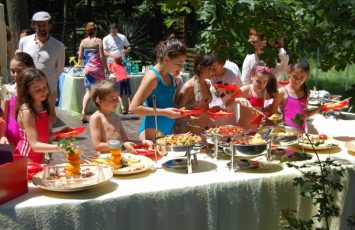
305	25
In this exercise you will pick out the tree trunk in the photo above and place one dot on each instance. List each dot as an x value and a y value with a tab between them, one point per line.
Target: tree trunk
65	15
18	18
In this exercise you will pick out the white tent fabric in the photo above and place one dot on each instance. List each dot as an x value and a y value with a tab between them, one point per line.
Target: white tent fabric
3	46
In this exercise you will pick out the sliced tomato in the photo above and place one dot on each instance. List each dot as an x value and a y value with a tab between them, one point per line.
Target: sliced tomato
323	136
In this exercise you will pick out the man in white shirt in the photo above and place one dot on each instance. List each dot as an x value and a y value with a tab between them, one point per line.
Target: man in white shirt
47	53
115	43
227	73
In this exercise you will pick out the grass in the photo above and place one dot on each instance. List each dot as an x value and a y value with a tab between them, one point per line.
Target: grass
334	82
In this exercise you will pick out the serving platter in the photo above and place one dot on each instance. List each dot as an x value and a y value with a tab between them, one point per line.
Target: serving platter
43	180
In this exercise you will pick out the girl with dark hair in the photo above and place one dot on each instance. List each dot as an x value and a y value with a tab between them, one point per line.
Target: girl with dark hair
18	64
293	98
32	112
263	87
196	93
91	53
158	83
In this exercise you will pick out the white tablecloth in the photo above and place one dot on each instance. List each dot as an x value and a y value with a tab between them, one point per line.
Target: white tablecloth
210	198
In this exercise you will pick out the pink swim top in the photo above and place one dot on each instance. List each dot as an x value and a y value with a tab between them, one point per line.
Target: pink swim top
292	107
23	147
257	102
12	129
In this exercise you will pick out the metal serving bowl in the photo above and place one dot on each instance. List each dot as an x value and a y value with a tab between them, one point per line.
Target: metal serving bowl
246	149
164	150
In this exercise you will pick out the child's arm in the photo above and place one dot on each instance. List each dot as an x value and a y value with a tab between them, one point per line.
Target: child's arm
28	121
311	112
95	126
103	59
81	52
278	101
241	98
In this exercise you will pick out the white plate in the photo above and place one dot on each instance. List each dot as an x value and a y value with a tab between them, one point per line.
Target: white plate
145	162
106	175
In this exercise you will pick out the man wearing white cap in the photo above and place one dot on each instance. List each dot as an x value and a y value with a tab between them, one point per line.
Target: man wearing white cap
47	53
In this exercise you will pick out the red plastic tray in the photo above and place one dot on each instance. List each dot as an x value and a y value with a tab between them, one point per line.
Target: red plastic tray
335	106
144	150
186	112
218	113
231	87
283	82
69	132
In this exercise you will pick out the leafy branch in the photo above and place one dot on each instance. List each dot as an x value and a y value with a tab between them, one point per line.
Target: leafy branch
318	186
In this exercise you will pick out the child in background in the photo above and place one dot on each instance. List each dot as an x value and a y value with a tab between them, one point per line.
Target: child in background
122	79
263	87
292	98
18	63
32	113
105	124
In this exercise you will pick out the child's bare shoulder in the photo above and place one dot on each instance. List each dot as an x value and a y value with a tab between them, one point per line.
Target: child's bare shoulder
95	116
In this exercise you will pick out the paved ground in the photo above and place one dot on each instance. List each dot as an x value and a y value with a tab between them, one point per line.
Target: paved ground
131	123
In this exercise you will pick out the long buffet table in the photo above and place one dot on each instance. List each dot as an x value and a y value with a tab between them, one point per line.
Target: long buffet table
211	197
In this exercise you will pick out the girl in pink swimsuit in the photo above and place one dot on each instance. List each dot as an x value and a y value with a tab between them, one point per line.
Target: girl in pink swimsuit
292	99
32	111
262	88
18	63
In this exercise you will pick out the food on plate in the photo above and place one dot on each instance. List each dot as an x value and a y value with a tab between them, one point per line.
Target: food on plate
277	118
335	105
319	142
179	139
220	113
315	139
57	173
249	140
226	130
129	163
73	157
